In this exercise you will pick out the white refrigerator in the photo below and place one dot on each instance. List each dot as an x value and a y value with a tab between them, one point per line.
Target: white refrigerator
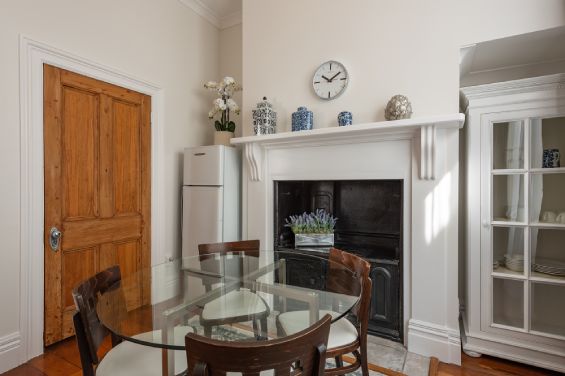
211	197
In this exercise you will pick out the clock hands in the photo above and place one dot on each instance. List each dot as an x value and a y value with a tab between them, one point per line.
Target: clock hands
335	75
327	79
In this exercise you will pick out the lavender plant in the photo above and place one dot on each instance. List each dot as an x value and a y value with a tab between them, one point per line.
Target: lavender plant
318	222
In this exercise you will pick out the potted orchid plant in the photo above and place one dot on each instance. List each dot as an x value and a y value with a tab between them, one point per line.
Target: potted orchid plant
223	104
312	229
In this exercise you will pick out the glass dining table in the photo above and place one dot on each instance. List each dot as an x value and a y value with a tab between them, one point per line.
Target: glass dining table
229	297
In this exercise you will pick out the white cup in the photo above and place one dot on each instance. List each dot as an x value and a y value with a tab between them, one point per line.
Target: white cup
560	218
548	216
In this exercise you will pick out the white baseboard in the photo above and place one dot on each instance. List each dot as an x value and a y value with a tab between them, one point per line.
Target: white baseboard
10	351
434	340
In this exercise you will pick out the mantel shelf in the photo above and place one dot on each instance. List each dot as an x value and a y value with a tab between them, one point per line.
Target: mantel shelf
424	127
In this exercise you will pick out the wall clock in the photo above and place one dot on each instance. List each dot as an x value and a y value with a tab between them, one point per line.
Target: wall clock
330	80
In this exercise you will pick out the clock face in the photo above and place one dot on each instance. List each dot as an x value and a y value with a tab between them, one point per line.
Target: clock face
330	80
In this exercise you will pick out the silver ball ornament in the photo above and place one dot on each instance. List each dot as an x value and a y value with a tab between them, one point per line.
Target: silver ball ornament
398	107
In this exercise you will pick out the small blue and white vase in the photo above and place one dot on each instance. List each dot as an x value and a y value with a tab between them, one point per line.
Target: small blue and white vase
551	158
302	119
344	118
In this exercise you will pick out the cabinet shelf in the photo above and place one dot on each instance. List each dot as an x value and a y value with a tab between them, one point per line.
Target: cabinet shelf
547	225
507	223
547	278
503	272
557	170
509	171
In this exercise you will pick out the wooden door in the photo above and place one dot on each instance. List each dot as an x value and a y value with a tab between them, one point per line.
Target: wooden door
97	189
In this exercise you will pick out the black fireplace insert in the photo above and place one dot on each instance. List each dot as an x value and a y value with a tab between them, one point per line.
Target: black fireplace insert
369	224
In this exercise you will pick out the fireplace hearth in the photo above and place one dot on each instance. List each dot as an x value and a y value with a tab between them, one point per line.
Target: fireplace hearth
369	224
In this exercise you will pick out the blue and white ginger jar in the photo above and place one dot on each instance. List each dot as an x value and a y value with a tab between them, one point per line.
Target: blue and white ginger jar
302	119
264	118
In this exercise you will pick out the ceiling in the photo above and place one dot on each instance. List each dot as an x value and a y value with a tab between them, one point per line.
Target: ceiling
221	13
535	48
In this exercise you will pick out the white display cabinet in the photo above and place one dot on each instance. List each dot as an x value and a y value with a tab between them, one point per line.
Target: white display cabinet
513	295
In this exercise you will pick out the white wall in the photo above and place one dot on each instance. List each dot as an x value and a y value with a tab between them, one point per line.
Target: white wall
407	46
162	42
231	64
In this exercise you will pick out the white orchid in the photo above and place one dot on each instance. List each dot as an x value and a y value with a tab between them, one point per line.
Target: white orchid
224	103
212	113
211	85
232	106
220	104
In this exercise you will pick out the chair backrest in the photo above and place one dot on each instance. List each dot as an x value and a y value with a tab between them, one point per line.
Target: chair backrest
90	331
237	267
250	247
335	282
305	351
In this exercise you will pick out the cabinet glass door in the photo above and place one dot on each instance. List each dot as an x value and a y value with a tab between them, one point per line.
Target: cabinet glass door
527	225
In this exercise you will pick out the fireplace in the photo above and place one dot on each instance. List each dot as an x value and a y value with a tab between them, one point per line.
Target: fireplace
369	224
418	155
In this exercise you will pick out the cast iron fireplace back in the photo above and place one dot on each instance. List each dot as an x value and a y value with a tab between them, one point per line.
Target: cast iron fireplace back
369	224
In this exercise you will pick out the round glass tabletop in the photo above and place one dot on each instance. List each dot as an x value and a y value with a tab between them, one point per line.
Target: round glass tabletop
247	296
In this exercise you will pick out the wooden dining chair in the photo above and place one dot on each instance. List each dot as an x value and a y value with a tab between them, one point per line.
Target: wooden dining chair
302	353
239	305
345	336
125	358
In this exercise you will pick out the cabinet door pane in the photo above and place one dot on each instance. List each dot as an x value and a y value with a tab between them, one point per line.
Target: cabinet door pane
548	253
508	250
548	308
547	137
508	198
547	198
508	302
508	145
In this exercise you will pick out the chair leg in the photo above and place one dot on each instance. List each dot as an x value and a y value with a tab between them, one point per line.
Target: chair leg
338	361
256	331
208	331
264	328
364	360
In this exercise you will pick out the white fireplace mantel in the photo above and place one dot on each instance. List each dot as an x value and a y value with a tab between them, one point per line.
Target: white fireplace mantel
423	153
424	128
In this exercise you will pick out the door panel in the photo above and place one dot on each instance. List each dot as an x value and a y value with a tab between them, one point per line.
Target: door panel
129	258
97	189
77	265
127	192
80	184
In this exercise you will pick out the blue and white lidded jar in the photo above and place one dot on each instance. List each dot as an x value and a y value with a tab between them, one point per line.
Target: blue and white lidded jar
264	118
344	118
302	119
551	158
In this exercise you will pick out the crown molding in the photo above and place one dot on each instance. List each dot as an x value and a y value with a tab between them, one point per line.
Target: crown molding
211	16
230	20
524	85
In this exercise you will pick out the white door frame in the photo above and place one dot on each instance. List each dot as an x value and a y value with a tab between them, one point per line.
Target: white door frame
33	55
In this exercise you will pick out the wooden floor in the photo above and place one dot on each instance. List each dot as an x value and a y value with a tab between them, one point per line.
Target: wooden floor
63	359
489	366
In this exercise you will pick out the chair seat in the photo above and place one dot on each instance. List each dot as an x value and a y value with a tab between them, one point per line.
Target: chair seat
237	303
342	332
129	358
